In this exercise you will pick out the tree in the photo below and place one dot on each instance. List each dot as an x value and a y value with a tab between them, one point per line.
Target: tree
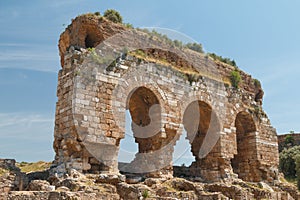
113	16
289	139
298	170
287	161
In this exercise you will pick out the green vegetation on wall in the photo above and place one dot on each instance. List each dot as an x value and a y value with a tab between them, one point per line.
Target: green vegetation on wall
221	59
257	83
235	78
195	47
113	16
177	43
116	17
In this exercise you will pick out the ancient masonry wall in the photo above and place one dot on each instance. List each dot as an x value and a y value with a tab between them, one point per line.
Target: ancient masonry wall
288	140
88	130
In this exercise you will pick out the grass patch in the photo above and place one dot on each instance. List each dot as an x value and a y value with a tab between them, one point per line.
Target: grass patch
145	194
33	167
291	180
3	171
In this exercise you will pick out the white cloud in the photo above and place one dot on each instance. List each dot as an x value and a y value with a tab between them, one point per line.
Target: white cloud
26	136
26	55
22	125
38	60
12	45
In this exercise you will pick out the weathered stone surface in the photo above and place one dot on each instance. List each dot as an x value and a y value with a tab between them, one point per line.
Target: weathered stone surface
11	178
110	179
86	186
165	92
283	142
88	130
40	185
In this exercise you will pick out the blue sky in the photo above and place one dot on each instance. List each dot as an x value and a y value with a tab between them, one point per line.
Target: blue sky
262	36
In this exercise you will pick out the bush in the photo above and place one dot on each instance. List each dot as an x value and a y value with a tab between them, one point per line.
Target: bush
224	60
287	161
235	78
178	43
195	47
298	170
97	13
113	16
128	25
257	83
289	139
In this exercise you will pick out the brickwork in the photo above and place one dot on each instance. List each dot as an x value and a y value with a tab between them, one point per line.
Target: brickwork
288	140
233	137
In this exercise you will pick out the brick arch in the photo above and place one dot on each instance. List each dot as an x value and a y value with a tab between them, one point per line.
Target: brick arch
245	160
159	94
242	110
122	92
196	121
154	142
140	100
139	103
203	128
245	122
190	97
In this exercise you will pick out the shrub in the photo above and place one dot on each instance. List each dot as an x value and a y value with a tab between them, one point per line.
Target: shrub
257	83
195	47
235	78
287	161
128	25
178	43
113	16
289	139
97	13
224	60
298	170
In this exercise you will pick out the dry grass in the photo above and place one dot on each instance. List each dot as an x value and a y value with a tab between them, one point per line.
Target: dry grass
3	171
188	70
33	167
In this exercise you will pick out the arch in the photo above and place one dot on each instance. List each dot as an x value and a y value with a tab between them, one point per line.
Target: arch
244	161
124	90
145	111
196	121
90	40
202	126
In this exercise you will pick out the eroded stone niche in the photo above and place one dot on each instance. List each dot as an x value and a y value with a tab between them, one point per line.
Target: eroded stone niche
87	133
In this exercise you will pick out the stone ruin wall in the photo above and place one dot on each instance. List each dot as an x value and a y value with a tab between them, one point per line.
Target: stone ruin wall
282	143
247	145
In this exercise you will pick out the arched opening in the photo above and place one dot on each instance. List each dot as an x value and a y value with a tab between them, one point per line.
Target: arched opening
182	156
145	112
196	121
128	147
143	127
202	128
91	40
243	162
